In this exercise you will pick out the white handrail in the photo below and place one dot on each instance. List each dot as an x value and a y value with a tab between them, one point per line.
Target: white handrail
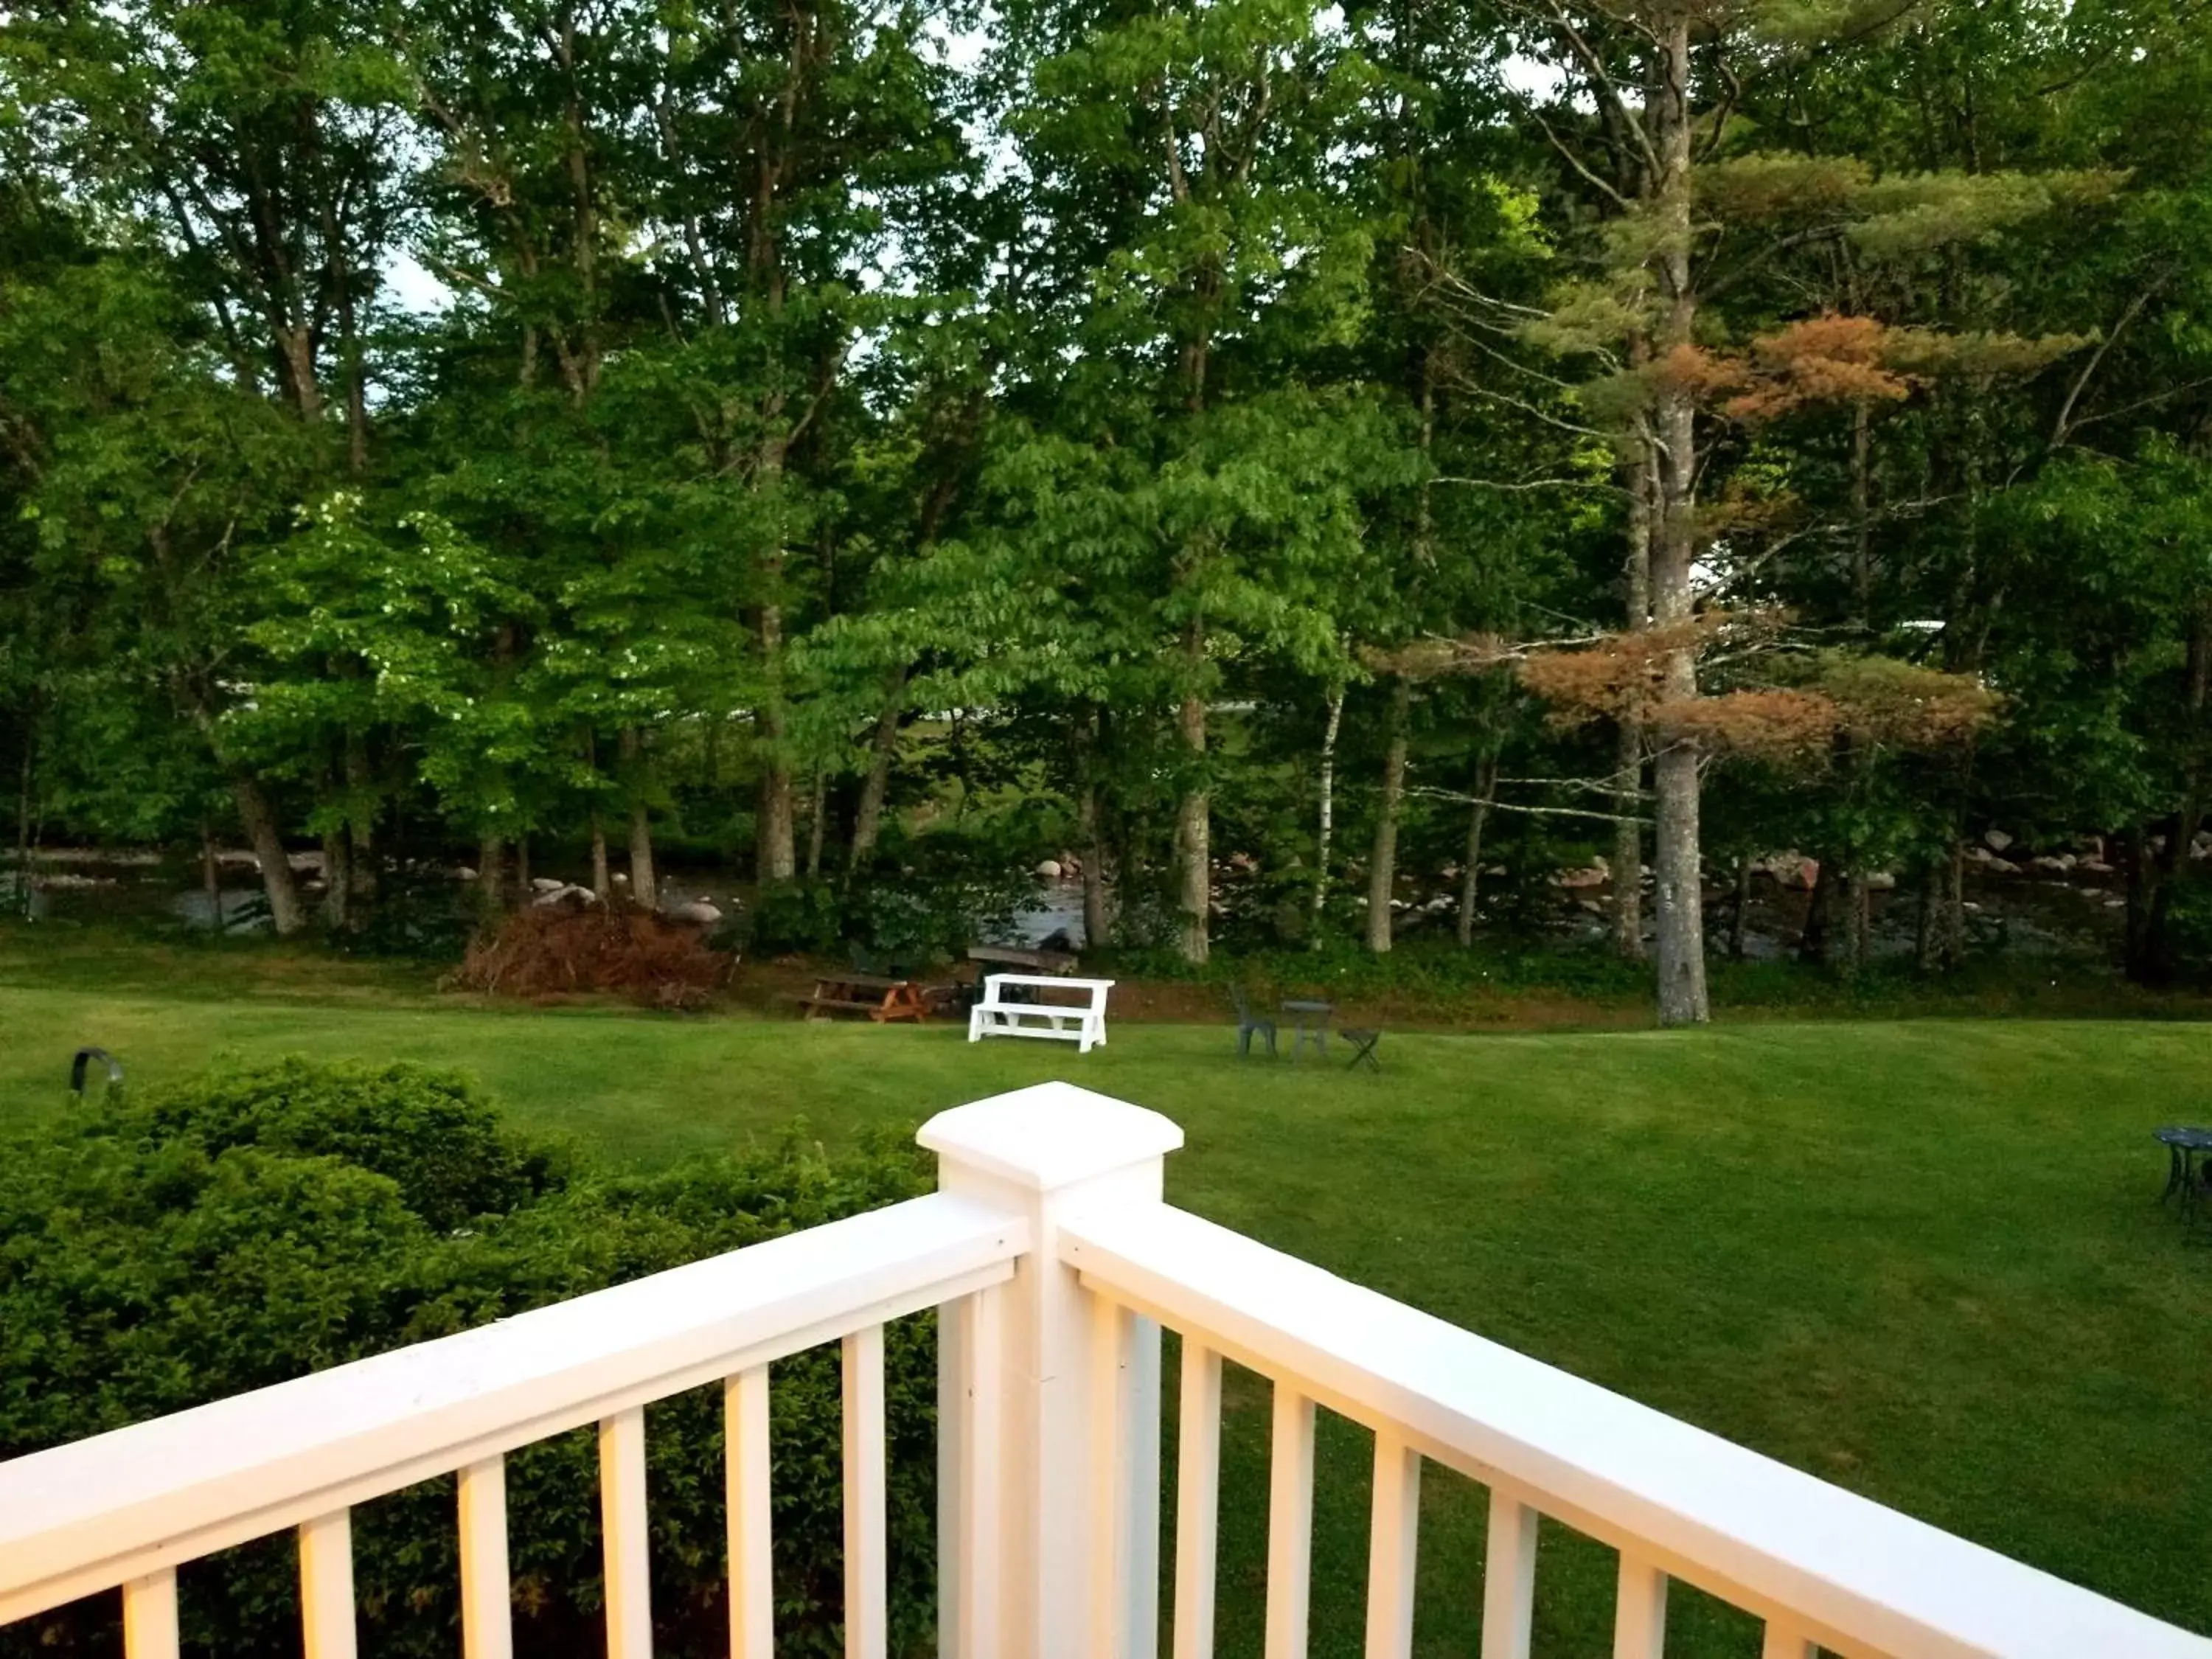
1056	1263
1852	1574
124	1505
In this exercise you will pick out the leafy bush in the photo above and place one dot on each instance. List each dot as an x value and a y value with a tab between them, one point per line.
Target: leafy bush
933	895
256	1224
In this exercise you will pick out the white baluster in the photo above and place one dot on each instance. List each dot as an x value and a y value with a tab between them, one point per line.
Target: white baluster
867	1559
1785	1639
1140	1487
1198	1499
149	1616
623	1535
326	1617
1508	1578
745	1476
968	1483
487	1616
1639	1617
1392	1537
1290	1524
1110	1429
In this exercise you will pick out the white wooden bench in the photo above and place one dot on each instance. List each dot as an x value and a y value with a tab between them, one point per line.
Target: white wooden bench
1082	1024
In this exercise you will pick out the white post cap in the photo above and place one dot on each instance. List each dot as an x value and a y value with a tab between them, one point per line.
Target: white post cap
1049	1135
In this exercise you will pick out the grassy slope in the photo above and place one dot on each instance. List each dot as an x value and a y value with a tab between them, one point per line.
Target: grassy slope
1919	1259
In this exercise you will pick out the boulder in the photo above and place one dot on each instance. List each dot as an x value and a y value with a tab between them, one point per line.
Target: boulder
696	911
1998	840
2057	863
463	872
1049	870
2092	866
2001	868
1880	881
546	884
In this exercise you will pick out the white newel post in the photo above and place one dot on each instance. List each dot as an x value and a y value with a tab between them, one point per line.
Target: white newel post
1024	1447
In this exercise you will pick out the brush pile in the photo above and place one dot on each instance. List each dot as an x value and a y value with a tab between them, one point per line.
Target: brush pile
550	950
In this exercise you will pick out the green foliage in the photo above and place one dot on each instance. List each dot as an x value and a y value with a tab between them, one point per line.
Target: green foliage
253	1225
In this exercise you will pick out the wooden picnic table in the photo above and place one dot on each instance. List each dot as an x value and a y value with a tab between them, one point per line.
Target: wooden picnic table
879	996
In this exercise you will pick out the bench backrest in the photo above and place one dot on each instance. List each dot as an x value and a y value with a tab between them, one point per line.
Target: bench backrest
1094	990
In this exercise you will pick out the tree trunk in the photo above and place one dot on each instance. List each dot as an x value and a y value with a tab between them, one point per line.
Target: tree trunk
1820	912
519	882
1383	862
644	888
817	808
23	829
602	880
1923	924
775	856
1097	892
1193	826
1098	914
1326	827
875	787
2150	956
261	833
1951	936
1739	909
210	876
491	872
1470	880
1679	898
360	825
1858	921
337	881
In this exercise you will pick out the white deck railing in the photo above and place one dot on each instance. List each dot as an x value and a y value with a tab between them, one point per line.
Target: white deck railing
1055	1263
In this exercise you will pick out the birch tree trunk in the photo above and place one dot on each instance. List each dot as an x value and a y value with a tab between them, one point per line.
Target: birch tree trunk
1478	817
602	881
1193	818
1325	830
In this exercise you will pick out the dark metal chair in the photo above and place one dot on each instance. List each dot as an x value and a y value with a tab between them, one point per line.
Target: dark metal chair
1247	1021
84	1058
1364	1044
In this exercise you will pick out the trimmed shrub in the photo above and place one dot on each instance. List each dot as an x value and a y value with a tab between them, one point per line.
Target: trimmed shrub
256	1224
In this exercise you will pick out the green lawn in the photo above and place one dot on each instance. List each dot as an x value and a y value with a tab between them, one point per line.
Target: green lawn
1920	1259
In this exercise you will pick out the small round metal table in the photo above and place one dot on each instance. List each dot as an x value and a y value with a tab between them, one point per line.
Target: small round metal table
2184	1176
1312	1019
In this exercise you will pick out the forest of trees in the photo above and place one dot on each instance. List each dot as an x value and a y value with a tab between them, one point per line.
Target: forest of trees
1297	459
